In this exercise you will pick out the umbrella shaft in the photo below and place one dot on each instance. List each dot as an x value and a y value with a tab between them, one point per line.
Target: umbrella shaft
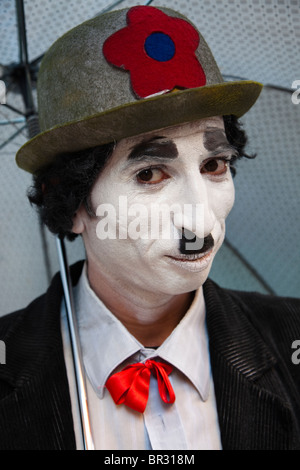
76	349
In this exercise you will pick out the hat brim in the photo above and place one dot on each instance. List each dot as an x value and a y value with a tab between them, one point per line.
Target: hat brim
137	118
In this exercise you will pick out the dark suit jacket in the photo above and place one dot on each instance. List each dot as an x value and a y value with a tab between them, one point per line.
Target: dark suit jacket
257	385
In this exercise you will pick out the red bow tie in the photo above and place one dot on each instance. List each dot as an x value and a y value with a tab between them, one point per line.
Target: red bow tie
131	385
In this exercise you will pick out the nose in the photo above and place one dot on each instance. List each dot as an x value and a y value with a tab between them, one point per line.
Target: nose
197	216
198	219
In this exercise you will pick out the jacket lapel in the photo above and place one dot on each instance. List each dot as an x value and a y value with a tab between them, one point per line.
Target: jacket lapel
253	409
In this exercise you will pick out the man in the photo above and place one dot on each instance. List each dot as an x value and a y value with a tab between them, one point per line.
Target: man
137	122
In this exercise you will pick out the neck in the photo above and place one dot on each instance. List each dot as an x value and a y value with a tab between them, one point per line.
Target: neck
149	318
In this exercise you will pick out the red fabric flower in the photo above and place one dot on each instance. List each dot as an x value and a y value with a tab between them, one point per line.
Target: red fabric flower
158	50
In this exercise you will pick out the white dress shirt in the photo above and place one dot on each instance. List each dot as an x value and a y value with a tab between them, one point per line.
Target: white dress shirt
191	423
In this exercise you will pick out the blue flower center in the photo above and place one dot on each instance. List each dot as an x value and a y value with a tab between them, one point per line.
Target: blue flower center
159	46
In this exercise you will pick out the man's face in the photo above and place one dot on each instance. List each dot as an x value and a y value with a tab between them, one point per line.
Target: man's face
157	191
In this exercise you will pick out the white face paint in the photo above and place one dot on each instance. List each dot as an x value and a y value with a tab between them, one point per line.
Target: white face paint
187	165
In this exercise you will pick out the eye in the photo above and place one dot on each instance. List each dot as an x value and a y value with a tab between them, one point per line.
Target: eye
215	166
151	176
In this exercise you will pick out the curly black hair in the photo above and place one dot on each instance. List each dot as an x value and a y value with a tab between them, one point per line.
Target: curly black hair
59	189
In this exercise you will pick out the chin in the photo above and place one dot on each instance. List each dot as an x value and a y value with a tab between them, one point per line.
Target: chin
185	282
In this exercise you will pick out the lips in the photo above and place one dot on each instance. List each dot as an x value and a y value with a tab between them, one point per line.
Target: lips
195	260
192	257
193	263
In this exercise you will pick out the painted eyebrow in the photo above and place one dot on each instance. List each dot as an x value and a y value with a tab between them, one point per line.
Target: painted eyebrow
215	141
157	147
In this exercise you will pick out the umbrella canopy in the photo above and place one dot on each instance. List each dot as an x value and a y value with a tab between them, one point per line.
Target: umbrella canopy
257	40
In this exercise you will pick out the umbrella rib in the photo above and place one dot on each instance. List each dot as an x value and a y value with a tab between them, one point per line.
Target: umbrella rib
26	82
15	110
23	50
250	267
12	137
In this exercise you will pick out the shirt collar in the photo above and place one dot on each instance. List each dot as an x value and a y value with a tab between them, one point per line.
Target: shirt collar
106	343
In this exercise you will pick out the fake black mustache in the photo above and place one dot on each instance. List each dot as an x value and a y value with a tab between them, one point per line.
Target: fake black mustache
190	244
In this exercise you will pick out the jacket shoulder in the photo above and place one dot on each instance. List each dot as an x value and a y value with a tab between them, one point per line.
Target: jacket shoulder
278	313
40	310
276	319
13	320
264	307
33	333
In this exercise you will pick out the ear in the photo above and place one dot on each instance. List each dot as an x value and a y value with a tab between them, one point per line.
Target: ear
79	220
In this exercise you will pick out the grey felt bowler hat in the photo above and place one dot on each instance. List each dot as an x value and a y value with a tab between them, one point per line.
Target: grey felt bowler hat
125	73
